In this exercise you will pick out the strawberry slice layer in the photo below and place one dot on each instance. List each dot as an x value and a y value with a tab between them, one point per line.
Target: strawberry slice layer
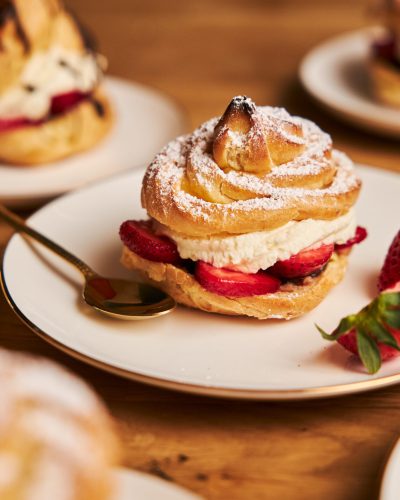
59	104
63	102
234	283
139	238
361	234
13	123
390	274
304	263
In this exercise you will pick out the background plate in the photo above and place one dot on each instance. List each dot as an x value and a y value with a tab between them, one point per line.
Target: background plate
191	350
390	489
135	485
335	73
145	121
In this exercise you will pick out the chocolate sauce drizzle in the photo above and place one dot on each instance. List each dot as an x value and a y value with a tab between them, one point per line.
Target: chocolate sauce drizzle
8	11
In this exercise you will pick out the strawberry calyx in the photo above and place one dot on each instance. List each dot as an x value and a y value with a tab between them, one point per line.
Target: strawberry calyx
373	325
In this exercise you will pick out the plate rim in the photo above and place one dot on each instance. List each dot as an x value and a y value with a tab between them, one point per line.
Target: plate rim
121	470
184	387
380	127
49	195
393	451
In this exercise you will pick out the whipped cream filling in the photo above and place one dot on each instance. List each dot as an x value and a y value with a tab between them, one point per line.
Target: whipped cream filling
251	252
47	74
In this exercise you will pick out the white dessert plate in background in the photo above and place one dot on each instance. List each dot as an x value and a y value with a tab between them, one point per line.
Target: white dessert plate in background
135	485
145	120
190	350
335	73
390	488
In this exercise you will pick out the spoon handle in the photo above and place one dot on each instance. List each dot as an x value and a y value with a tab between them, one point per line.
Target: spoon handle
20	225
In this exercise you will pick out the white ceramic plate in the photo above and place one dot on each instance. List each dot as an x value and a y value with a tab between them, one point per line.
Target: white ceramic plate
145	121
335	73
134	485
390	489
191	350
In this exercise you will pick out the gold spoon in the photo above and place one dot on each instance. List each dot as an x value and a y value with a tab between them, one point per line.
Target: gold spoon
117	298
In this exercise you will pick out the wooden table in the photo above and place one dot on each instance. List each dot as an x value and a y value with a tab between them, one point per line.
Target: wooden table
202	53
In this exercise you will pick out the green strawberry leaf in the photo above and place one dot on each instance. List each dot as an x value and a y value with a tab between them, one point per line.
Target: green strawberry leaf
345	325
390	299
392	318
368	352
378	331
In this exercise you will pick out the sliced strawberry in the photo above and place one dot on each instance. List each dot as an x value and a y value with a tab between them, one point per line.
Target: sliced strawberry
361	234
138	237
304	263
13	123
62	102
234	283
385	48
390	274
373	334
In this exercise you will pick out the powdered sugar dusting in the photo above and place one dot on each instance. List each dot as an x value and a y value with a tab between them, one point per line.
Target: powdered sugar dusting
185	180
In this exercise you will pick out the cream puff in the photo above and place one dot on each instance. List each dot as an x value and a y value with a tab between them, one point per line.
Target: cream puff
251	214
51	101
57	439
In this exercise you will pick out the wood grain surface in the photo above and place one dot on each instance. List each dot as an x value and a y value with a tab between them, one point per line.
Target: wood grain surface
202	53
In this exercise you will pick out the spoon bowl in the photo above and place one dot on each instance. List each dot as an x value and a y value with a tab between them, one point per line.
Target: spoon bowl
126	299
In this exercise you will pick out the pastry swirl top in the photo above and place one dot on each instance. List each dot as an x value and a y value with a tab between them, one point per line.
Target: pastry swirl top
255	169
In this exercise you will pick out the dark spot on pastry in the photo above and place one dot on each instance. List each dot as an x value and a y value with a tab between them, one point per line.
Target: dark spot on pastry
182	458
98	106
29	88
62	63
201	476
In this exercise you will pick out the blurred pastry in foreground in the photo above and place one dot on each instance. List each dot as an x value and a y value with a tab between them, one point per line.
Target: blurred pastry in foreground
251	214
56	439
51	101
385	59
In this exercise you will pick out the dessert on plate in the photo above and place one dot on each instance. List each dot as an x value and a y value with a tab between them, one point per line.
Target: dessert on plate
56	438
251	214
385	59
51	101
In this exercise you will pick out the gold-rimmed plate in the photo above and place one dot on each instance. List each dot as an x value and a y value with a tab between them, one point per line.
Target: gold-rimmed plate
190	350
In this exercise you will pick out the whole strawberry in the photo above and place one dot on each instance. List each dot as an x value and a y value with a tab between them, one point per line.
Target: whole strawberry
390	274
373	334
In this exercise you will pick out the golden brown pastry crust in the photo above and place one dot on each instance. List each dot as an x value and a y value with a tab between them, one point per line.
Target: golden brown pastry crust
188	191
67	134
385	79
289	302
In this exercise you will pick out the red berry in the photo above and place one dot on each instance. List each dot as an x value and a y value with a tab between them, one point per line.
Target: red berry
349	342
390	274
234	283
139	238
303	263
385	48
13	123
62	102
361	234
